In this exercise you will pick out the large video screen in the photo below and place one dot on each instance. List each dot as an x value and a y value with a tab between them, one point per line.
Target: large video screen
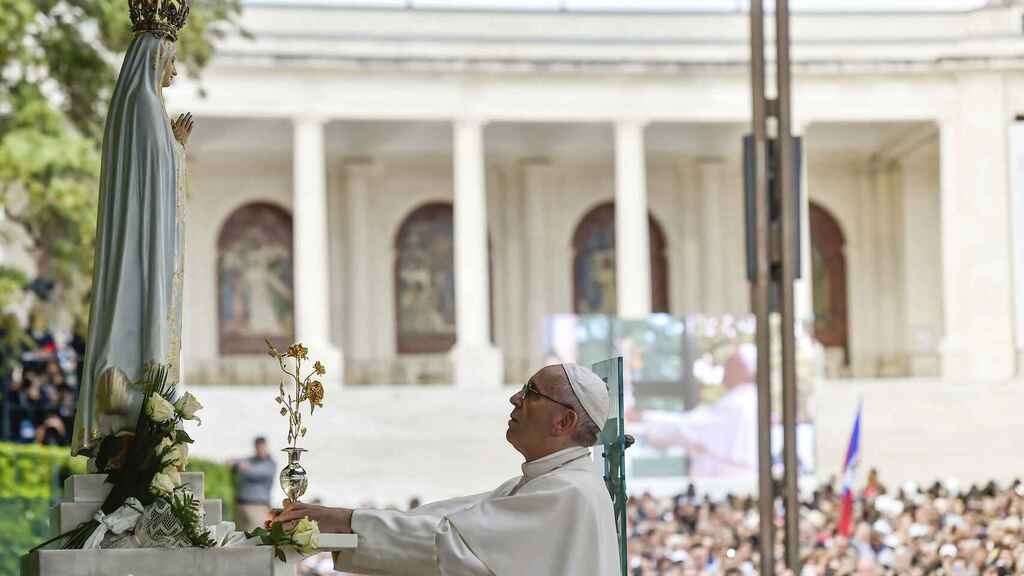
690	396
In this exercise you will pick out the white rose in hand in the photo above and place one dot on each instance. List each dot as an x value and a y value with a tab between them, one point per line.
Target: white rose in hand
158	409
306	536
188	406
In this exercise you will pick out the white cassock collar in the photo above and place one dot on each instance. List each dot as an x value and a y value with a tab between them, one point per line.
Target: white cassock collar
553	462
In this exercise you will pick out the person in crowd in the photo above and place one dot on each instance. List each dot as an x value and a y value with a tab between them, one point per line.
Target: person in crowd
254	480
77	345
39	332
939	531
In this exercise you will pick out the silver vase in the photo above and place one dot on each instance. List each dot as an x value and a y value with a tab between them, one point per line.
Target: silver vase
293	478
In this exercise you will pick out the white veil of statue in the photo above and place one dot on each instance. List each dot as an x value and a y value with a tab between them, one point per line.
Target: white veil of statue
135	315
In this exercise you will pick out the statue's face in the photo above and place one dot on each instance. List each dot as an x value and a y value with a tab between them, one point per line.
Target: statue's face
169	73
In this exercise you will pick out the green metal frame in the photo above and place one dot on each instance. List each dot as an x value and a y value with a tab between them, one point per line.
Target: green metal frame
613	440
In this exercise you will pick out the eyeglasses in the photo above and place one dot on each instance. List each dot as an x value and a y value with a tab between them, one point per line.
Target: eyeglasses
531	388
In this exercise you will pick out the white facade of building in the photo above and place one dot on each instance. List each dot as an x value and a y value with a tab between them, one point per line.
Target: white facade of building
350	118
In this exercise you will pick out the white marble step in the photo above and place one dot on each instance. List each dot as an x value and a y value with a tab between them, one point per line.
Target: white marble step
67	515
94	488
241	561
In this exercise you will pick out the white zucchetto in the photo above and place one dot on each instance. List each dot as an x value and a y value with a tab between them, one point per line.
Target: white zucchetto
590	390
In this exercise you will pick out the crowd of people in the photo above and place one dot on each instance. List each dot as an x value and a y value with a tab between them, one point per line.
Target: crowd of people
941	530
39	378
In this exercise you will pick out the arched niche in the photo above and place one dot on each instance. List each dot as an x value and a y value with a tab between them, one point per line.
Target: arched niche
593	263
255	293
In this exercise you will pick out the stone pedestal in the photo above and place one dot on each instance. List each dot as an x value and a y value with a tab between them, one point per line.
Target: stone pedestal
84	494
241	561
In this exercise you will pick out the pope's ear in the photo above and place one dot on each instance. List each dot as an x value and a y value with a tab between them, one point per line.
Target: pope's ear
568	421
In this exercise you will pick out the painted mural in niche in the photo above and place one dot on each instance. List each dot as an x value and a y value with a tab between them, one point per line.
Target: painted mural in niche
594	264
425	281
254	273
828	269
594	288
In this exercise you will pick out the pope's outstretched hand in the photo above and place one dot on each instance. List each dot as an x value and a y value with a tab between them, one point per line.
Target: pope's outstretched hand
330	520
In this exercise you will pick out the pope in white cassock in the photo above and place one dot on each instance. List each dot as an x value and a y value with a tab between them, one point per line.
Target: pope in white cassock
556	519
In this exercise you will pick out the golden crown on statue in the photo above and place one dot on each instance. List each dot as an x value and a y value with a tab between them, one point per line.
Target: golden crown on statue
161	17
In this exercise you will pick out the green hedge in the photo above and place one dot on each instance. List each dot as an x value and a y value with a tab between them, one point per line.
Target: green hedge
30	483
220	483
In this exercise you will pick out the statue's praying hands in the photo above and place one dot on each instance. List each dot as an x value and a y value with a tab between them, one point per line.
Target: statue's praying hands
182	127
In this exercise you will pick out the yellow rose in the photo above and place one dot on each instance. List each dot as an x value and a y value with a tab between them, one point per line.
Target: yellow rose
306	536
158	409
162	484
188	406
315	393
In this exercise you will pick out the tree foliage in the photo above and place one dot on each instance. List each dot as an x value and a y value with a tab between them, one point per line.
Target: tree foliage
58	64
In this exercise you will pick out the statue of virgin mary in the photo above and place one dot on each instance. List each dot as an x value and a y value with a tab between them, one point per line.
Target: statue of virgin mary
135	314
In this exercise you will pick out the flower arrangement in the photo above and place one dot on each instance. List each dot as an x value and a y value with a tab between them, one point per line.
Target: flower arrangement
304	389
145	467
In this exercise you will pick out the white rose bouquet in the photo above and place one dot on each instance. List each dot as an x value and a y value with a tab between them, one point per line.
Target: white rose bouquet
146	465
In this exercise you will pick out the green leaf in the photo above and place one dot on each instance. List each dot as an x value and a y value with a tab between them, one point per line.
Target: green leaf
277	532
182	437
279	553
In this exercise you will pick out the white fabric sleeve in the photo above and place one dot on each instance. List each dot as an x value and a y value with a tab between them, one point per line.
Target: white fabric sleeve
391	542
454	556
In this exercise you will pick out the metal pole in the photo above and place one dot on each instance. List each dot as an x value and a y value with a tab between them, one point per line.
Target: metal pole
789	267
766	496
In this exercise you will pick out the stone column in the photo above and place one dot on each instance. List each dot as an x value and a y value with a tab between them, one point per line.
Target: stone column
536	174
513	299
712	273
357	176
309	223
803	289
632	242
975	205
687	276
922	273
1017	191
889	263
477	363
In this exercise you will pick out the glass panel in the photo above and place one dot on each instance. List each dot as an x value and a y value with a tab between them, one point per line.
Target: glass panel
613	447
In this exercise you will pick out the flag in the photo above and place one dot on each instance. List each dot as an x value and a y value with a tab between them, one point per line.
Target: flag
845	526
